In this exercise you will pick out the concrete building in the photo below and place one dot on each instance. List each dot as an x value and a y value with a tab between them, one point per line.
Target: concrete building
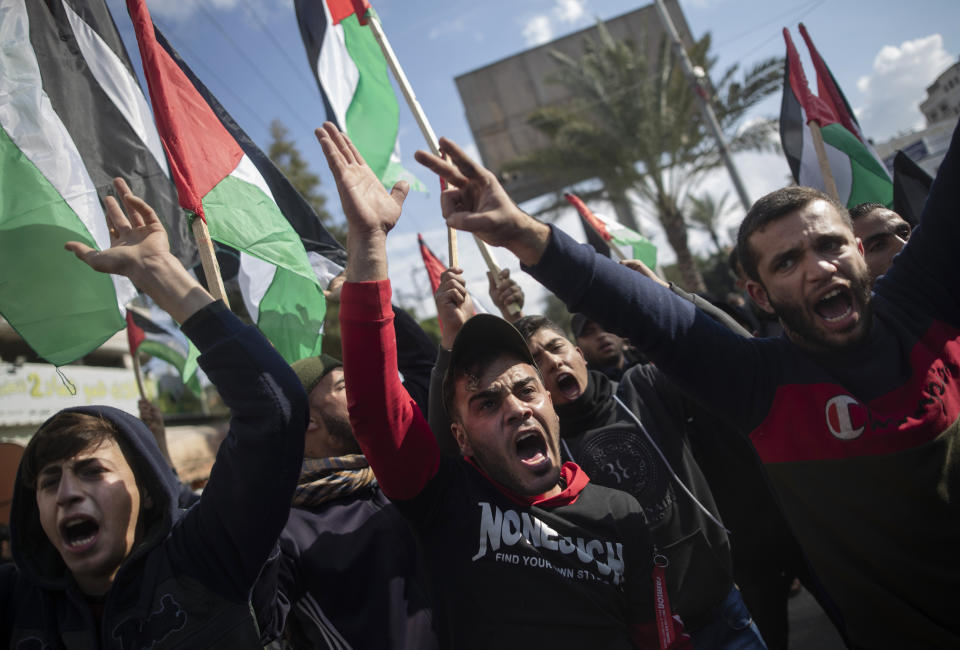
943	97
498	98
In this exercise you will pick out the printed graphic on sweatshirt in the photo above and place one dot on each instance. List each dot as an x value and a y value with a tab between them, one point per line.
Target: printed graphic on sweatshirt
139	634
509	536
621	459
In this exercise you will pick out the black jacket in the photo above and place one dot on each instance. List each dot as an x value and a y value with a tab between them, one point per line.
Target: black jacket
187	582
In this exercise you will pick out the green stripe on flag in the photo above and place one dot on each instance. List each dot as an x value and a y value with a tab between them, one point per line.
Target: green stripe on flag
373	115
643	250
869	180
291	316
241	215
177	360
59	305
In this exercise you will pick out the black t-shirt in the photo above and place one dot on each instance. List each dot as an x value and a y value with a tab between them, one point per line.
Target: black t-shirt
508	574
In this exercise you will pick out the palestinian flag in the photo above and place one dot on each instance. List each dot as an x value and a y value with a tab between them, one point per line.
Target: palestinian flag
92	86
911	184
61	307
219	182
858	173
434	266
631	243
354	83
151	331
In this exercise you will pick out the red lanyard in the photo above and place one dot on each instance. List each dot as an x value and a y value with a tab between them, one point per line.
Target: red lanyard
661	601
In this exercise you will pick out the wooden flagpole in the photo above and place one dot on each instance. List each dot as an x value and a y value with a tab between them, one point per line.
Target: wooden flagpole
432	141
137	374
211	269
828	180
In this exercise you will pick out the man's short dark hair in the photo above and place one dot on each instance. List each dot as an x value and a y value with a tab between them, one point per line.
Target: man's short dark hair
530	325
771	207
64	436
863	209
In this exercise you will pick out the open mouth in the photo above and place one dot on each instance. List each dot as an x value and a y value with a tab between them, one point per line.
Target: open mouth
568	386
835	306
79	533
532	449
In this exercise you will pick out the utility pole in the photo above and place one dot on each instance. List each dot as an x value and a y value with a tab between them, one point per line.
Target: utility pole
697	77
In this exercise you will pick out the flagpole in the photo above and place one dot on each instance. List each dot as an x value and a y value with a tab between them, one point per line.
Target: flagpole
828	180
428	134
211	269
588	218
136	373
697	79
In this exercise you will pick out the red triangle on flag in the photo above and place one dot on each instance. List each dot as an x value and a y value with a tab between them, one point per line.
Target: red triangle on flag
340	9
135	334
201	151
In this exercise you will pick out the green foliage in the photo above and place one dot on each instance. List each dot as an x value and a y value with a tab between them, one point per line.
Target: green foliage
431	326
285	155
634	122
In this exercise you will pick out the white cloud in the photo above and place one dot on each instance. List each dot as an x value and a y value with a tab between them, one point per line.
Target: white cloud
569	11
893	91
538	30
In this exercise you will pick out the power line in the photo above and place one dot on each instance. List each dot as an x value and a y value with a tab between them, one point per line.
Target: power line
803	12
211	74
266	30
803	8
281	96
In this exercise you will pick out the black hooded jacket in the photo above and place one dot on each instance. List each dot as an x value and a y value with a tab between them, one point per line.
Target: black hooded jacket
597	434
187	581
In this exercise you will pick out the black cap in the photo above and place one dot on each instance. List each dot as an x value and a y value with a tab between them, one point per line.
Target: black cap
577	323
485	336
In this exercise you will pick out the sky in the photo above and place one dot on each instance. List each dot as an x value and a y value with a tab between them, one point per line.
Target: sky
250	55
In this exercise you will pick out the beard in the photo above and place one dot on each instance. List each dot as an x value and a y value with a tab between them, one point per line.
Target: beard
800	324
341	431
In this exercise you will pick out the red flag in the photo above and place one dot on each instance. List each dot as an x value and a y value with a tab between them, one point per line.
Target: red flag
187	124
828	90
434	266
817	109
588	216
340	9
135	334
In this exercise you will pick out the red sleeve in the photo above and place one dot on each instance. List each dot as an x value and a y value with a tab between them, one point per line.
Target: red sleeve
392	432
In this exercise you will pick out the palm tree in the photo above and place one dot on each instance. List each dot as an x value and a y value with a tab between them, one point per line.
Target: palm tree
635	124
704	214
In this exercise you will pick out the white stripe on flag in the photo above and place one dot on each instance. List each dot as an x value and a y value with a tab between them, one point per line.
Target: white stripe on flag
116	81
337	72
255	277
247	172
324	268
810	174
27	116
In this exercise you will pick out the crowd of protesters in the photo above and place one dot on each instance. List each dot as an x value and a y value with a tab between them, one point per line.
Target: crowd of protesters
658	479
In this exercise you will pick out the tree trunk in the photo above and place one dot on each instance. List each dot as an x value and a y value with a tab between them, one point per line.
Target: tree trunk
676	231
623	209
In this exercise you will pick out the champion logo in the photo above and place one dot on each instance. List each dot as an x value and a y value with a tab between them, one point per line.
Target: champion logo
844	413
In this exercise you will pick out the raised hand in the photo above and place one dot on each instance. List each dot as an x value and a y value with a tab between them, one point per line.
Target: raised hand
454	305
369	209
139	249
478	203
505	292
135	240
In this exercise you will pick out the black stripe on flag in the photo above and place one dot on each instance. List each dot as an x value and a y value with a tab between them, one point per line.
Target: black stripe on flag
791	126
294	207
313	29
107	143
